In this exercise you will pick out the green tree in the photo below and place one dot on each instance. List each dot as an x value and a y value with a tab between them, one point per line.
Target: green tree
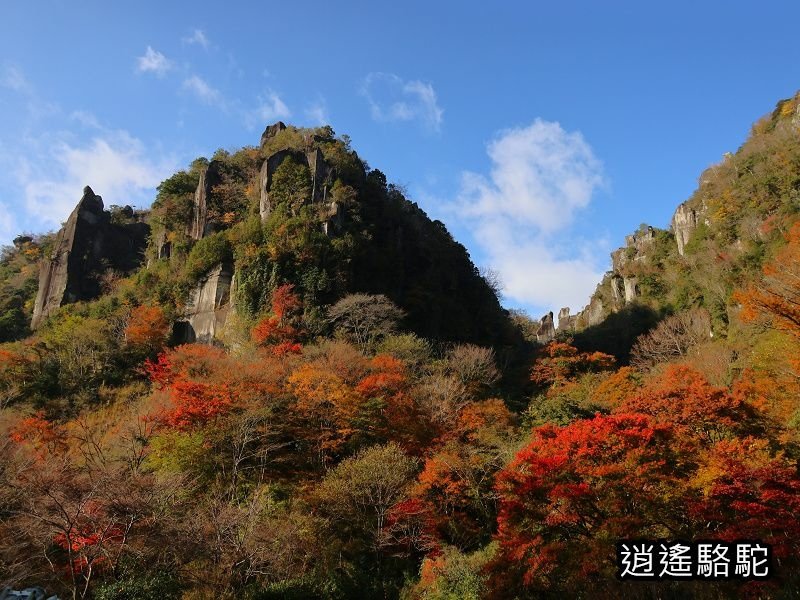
291	185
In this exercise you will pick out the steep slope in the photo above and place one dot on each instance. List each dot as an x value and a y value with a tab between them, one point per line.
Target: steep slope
302	208
717	240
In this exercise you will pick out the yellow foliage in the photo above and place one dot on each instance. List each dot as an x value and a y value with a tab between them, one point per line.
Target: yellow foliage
787	108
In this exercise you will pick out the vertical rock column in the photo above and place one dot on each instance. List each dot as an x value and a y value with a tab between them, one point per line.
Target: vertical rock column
65	276
684	222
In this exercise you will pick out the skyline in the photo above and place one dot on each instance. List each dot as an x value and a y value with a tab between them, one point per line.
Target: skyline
539	145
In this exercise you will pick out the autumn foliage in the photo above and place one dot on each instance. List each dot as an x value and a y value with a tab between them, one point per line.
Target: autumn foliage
572	491
682	396
560	361
147	327
777	297
281	331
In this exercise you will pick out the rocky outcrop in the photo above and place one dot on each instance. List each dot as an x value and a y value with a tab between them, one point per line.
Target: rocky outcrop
321	175
636	248
592	314
199	226
620	285
617	285
566	322
684	222
547	330
631	289
86	246
163	245
272	130
209	307
333	219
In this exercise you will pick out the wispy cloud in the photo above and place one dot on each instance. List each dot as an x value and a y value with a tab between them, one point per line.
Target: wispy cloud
115	164
540	178
13	78
152	61
316	113
56	153
204	91
392	98
85	118
198	38
269	107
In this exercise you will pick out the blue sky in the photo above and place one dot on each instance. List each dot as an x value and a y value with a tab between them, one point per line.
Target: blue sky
540	134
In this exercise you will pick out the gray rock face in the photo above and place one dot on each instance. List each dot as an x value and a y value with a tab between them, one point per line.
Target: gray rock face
593	314
636	248
618	289
210	177
631	289
320	176
566	322
619	286
209	306
547	330
86	246
618	259
684	222
272	131
163	246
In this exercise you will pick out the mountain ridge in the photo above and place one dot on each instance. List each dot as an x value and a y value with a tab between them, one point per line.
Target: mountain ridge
352	232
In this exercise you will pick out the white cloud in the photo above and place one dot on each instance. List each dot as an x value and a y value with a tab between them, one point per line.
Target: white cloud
153	62
8	224
116	165
198	37
14	79
269	108
541	177
391	98
86	118
200	88
56	153
317	113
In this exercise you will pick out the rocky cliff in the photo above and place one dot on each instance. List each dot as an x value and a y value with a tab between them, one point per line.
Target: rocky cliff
200	226
620	286
210	304
225	236
390	246
684	222
88	245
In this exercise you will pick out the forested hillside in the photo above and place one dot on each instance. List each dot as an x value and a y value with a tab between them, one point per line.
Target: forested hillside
301	387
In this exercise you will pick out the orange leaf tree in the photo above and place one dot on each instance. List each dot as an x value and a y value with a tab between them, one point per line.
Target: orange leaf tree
682	396
558	362
147	328
573	491
777	297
